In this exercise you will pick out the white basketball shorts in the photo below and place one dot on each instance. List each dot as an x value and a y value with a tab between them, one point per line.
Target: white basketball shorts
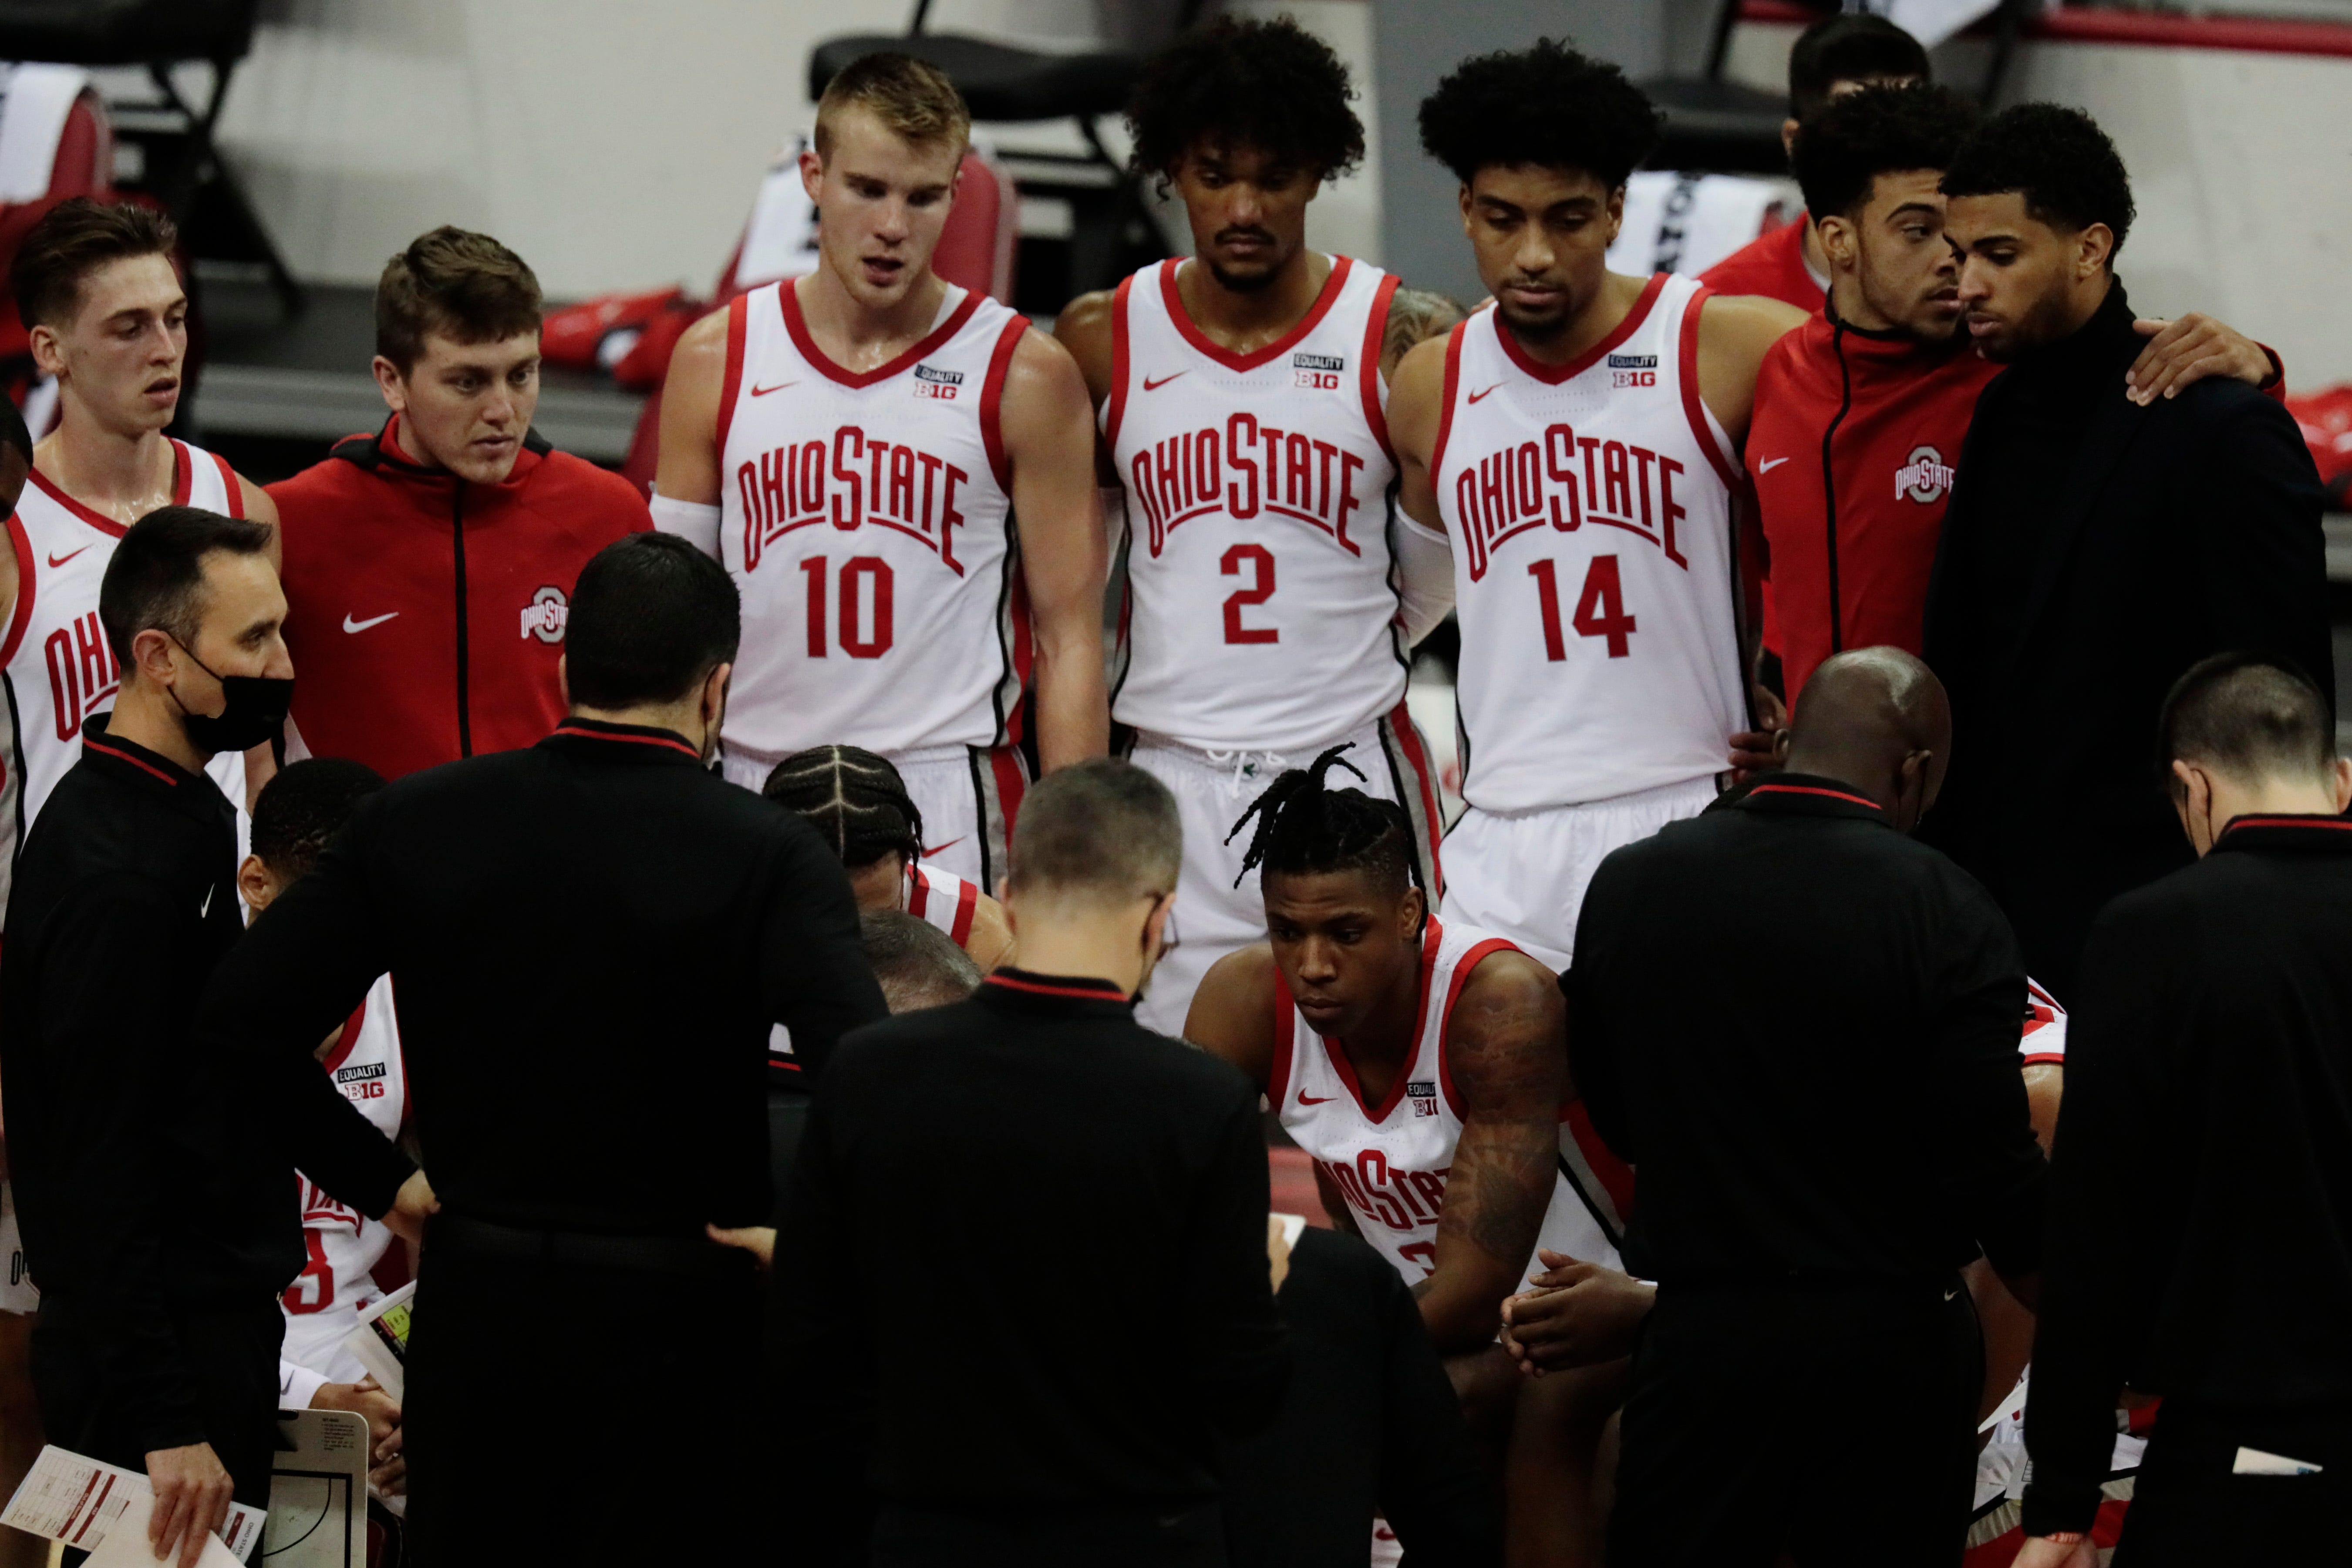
1522	874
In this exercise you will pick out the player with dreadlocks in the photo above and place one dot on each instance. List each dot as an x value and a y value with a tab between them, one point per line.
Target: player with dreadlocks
1272	597
1423	1067
859	805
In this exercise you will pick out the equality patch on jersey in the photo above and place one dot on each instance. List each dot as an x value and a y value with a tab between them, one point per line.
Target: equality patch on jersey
1422	1093
1319	372
1632	370
930	382
1924	477
359	1072
547	614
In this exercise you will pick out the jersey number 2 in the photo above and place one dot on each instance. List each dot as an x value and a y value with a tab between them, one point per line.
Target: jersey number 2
1260	562
1599	608
855	572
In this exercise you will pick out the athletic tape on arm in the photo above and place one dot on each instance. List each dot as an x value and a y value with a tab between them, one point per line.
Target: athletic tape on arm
1424	577
697	524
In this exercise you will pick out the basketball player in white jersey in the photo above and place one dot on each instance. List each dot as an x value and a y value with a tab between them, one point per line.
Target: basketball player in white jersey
1578	444
859	805
898	475
108	320
1422	1065
1242	392
297	813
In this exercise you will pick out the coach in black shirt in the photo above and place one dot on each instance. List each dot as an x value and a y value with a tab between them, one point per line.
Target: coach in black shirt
154	1177
2096	547
1025	1267
1800	1027
2200	1194
590	942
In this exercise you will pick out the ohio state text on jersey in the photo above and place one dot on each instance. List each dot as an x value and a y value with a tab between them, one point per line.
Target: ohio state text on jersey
1260	607
1390	1161
55	660
868	519
1594	563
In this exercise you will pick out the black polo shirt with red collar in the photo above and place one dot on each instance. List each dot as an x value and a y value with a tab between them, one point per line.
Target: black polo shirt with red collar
153	1176
2201	1203
589	940
1801	1026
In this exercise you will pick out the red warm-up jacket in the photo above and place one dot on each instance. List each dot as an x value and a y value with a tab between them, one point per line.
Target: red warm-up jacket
1852	448
425	615
1773	266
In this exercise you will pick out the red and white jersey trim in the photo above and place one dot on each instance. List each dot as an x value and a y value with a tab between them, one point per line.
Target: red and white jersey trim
867	516
1390	1161
343	1246
2044	1036
1261	608
53	657
944	899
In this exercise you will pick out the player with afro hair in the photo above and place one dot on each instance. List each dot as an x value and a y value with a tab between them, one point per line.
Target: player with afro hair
1546	106
1264	344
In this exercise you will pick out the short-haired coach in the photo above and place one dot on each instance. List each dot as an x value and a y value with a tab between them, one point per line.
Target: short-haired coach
590	941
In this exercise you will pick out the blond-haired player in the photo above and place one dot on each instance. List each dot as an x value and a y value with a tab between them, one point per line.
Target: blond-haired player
900	477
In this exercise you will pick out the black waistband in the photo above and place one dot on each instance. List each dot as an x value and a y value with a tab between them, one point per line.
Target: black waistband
461	1236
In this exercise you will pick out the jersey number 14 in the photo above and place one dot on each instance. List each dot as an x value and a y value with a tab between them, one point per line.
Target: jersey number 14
1599	608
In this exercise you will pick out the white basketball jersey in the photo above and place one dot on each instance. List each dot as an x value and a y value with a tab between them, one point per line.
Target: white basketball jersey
1390	1160
1594	563
324	1302
55	664
868	519
2044	1037
942	898
1261	608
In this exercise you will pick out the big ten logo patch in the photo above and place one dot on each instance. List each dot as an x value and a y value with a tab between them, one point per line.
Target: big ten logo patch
1422	1093
547	614
361	1081
1632	370
1924	477
1318	372
930	382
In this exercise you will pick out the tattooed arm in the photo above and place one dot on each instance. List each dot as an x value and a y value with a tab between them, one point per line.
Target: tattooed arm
1415	315
1506	1045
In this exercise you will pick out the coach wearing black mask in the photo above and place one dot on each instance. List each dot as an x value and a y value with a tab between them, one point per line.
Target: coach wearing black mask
2098	542
591	941
154	1177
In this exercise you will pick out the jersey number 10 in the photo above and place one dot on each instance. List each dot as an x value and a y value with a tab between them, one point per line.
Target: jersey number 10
1599	608
859	639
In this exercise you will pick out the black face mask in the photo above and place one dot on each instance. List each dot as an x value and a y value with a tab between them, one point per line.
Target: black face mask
256	710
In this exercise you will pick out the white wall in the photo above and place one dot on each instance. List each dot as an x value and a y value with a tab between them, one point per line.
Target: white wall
2238	167
615	144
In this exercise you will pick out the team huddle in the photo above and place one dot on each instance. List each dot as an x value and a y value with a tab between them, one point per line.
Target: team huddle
1303	465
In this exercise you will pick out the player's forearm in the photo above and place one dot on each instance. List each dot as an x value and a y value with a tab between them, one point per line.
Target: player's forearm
1462	1303
1073	703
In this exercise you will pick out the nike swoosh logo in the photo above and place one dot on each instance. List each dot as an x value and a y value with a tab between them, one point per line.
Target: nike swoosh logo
1306	1099
1476	395
206	906
1151	385
762	392
942	849
1769	464
1951	1293
352	625
61	559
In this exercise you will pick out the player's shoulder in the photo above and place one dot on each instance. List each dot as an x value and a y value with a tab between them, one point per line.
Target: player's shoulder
1244	978
330	482
1422	371
1086	324
1751	321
